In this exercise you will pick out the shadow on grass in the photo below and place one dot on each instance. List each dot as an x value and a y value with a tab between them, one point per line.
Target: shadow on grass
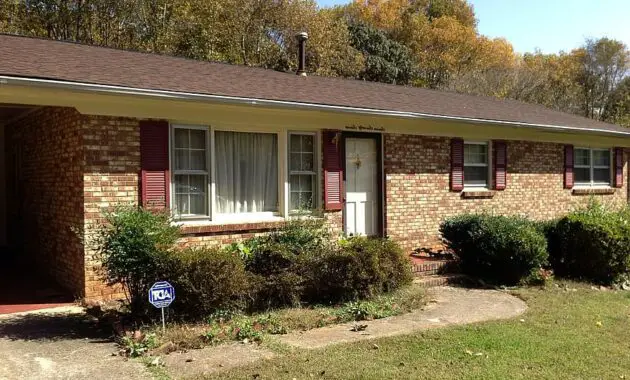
54	327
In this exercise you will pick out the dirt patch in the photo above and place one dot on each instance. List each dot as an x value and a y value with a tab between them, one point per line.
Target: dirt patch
197	363
448	306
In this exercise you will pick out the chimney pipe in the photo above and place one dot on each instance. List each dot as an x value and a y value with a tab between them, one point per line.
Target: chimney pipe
301	37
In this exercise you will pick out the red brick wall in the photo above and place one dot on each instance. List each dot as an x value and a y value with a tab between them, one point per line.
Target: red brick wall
73	167
110	178
418	196
44	154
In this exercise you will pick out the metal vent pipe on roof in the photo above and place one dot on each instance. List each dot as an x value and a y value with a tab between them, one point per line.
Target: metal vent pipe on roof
301	38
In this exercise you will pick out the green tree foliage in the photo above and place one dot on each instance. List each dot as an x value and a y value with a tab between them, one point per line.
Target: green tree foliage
385	60
427	43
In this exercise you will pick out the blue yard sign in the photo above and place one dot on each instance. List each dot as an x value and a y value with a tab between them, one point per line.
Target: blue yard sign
161	295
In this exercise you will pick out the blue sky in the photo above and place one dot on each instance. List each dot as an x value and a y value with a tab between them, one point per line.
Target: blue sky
550	25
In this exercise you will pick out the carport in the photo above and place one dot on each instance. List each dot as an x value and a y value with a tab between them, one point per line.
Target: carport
29	278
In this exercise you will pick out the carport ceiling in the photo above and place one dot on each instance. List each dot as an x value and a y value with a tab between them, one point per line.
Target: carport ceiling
10	112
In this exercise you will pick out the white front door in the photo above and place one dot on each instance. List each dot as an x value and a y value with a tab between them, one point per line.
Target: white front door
361	186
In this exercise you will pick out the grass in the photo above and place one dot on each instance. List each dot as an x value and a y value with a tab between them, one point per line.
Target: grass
568	332
255	327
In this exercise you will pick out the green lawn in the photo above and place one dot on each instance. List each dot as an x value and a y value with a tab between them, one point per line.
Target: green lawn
566	334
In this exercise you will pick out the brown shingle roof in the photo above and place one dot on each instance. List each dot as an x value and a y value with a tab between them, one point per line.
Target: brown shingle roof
39	58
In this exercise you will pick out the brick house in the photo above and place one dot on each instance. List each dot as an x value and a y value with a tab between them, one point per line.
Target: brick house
234	151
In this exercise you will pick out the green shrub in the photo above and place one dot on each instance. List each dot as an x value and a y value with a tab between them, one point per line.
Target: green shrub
275	290
207	280
360	268
277	261
592	244
498	249
132	245
275	278
303	235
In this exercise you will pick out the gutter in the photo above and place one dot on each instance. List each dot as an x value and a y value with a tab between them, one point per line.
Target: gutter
236	100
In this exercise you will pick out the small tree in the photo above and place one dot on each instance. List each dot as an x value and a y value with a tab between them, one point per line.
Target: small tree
133	246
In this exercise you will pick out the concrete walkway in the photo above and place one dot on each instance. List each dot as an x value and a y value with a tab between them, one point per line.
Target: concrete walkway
60	344
449	306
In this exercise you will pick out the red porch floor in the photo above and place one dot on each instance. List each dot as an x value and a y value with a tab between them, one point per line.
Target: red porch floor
23	289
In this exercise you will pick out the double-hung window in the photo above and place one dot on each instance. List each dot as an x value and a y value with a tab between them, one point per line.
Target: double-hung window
476	167
190	171
302	171
592	167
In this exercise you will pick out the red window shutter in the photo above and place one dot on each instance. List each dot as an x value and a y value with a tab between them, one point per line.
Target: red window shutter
500	165
333	171
155	176
618	167
457	164
568	167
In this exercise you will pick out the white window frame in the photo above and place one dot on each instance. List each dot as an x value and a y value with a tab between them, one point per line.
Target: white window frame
487	165
212	216
174	172
314	173
591	167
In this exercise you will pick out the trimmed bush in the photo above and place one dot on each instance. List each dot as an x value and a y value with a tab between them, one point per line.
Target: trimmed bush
275	275
297	263
300	264
384	265
592	244
132	246
498	249
277	262
275	290
207	279
360	268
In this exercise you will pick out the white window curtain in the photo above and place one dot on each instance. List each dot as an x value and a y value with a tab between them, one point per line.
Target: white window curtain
246	172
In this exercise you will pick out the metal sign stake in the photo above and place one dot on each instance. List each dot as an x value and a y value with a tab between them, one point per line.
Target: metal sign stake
161	295
163	321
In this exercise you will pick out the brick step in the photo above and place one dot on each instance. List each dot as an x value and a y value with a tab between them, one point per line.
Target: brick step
440	280
430	267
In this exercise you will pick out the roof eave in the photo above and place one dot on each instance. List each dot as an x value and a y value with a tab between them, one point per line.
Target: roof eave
179	95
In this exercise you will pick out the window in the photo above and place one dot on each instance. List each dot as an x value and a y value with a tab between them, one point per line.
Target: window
190	170
236	176
591	166
302	171
476	169
246	174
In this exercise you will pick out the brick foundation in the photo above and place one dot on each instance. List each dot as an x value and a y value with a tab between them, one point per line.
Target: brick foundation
418	196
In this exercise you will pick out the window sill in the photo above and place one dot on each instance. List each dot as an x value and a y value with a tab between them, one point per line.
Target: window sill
593	190
477	193
206	226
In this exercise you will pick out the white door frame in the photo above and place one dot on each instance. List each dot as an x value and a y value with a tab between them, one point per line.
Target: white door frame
380	198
